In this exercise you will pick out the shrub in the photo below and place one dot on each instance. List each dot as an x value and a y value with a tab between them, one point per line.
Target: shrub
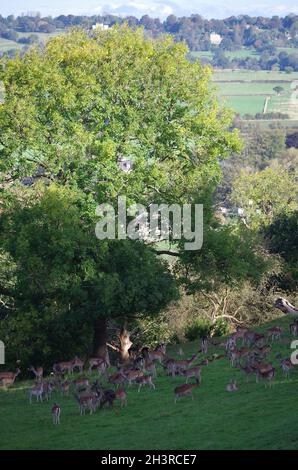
199	329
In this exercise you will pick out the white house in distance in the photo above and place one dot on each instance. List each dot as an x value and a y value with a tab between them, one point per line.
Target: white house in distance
100	27
215	39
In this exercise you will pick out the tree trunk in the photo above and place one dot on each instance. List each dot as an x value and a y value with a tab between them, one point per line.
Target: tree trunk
100	337
125	343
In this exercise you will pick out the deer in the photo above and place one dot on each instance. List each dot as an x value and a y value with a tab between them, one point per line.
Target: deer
81	382
286	366
145	380
99	363
48	389
121	395
294	328
130	375
36	391
247	370
64	387
116	379
153	355
184	390
86	402
38	372
149	366
267	375
194	372
62	367
56	411
204	345
274	333
8	378
232	386
77	363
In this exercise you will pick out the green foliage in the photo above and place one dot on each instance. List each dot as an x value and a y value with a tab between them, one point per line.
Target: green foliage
66	278
76	105
199	329
265	195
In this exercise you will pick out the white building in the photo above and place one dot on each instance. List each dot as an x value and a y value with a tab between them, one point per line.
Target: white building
100	27
215	39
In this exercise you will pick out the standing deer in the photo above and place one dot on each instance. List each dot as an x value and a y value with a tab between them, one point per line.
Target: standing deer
36	391
38	372
8	378
145	380
64	387
99	363
286	366
274	333
82	382
121	395
77	363
193	372
56	411
62	367
184	390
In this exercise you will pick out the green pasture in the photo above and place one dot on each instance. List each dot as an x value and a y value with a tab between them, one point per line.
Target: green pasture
254	417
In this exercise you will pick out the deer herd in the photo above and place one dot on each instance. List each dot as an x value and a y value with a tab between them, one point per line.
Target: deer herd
246	350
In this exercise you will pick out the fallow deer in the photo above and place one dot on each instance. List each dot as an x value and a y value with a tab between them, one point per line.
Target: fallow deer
56	411
268	375
78	364
8	378
121	396
63	367
99	363
81	382
64	387
274	333
286	366
194	372
36	391
38	372
184	390
145	380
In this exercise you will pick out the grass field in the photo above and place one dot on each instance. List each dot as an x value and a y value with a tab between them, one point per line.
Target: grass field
246	91
241	53
254	417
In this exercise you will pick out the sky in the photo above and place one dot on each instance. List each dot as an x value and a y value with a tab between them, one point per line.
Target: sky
154	8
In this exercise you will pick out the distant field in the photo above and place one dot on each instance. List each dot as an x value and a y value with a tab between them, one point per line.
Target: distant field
246	91
6	45
241	53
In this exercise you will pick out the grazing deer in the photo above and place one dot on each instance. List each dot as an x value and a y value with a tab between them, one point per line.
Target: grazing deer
193	372
64	387
121	395
38	372
36	391
232	386
274	333
184	390
286	366
145	380
77	363
131	375
116	379
82	382
8	378
56	411
62	367
99	363
247	370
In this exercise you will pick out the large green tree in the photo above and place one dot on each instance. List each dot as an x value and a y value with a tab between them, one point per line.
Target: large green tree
72	109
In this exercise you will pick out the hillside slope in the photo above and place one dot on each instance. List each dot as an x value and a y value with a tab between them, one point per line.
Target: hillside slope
254	417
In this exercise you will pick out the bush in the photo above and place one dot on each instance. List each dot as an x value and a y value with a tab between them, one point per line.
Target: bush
199	329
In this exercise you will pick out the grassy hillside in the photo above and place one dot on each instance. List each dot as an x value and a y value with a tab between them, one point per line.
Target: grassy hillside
254	417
